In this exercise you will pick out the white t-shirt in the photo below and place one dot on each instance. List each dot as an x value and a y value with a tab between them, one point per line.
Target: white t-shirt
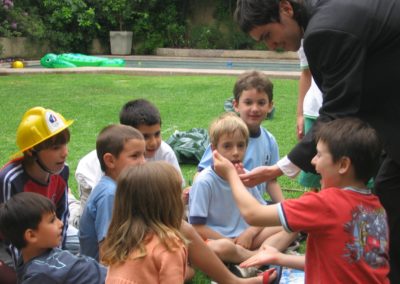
313	98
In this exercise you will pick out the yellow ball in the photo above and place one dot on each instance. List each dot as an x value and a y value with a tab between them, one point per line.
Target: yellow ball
17	64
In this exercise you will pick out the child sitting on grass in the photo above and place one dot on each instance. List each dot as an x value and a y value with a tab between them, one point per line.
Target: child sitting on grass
346	224
144	243
212	210
253	100
42	138
28	220
117	147
145	117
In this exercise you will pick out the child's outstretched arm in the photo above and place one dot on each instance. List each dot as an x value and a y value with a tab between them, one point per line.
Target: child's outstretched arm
252	211
270	255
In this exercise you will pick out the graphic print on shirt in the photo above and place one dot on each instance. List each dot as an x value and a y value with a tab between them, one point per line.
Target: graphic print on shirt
52	261
368	231
267	159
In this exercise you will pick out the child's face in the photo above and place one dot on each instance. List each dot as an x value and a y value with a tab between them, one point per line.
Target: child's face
131	155
253	107
49	232
325	166
54	157
152	136
232	146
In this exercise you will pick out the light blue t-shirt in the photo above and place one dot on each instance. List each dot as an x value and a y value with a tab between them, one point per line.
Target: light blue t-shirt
211	203
96	217
261	151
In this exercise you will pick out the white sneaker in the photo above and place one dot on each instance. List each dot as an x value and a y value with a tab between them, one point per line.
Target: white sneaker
247	272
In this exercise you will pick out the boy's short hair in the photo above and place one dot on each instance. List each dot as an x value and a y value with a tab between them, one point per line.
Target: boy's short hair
253	80
21	212
138	112
355	139
112	140
227	123
59	139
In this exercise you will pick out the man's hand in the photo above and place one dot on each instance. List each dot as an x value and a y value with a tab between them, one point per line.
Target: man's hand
260	174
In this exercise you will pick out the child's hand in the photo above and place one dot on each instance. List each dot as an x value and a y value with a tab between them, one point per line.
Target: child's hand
266	255
244	240
185	195
239	168
222	166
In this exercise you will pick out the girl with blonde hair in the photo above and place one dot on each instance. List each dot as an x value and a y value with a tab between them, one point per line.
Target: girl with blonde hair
144	243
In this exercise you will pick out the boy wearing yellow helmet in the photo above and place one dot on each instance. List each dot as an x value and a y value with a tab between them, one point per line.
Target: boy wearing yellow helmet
42	138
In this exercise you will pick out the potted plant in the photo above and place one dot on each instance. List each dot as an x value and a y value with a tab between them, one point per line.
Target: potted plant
119	14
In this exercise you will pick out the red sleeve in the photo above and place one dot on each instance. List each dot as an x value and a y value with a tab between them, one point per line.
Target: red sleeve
310	213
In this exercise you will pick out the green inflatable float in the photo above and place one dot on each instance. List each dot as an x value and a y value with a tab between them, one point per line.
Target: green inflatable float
68	60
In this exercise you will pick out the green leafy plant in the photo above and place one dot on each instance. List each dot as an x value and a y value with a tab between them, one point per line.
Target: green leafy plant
70	25
20	20
206	37
118	13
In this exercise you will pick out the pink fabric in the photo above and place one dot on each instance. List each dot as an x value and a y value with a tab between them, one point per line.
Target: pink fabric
348	236
158	266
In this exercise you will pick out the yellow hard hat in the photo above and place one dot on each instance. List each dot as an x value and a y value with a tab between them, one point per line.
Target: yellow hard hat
37	125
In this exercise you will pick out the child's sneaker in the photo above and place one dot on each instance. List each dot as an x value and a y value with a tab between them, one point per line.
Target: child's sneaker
293	246
244	272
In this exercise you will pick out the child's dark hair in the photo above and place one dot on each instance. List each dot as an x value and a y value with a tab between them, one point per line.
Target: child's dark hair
355	139
112	140
139	112
253	80
21	212
58	139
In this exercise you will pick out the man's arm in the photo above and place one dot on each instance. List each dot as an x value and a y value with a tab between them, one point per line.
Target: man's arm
337	63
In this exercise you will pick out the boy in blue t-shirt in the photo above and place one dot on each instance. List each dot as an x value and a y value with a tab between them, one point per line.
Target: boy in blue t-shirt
117	146
253	95
28	220
212	210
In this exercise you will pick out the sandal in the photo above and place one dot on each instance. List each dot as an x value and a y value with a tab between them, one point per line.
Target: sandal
268	270
266	274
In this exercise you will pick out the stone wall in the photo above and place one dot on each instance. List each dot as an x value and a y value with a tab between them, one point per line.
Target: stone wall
183	52
22	47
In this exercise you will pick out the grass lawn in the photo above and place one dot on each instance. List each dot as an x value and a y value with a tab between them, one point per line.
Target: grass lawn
94	101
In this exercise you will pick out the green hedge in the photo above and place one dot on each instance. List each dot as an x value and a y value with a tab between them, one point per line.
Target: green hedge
70	26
